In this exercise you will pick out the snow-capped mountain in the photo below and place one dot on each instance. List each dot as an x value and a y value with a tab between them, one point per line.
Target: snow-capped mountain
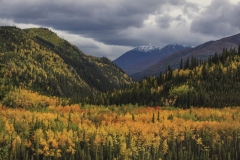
147	48
142	57
202	52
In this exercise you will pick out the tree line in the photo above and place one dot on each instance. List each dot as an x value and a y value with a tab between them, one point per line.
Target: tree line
213	82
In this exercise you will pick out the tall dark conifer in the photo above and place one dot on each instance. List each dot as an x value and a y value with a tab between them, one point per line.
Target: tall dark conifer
187	64
239	49
181	64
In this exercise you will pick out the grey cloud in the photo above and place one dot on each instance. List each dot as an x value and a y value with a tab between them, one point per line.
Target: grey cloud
104	21
180	18
121	22
96	19
190	9
164	21
176	2
221	18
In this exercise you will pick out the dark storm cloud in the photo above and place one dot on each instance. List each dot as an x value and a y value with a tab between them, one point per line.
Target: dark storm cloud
101	27
221	18
99	20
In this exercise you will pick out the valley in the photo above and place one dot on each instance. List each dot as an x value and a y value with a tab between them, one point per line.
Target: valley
58	103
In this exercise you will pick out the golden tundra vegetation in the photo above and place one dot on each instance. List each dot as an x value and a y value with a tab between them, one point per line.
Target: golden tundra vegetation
116	132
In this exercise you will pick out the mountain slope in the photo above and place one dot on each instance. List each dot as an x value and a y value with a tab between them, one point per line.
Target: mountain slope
200	52
135	56
99	73
151	60
37	59
213	83
140	58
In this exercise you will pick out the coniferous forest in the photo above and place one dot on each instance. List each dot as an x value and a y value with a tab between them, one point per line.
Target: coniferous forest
58	103
213	82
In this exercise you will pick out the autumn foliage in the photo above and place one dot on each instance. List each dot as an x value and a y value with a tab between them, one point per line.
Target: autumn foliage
126	132
27	99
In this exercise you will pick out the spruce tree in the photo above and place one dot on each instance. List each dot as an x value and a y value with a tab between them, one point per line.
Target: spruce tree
187	64
153	118
181	64
158	116
239	49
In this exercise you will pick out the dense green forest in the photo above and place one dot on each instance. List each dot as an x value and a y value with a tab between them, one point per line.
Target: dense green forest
37	59
214	82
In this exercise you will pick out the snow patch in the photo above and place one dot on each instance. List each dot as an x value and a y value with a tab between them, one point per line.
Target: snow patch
151	48
147	48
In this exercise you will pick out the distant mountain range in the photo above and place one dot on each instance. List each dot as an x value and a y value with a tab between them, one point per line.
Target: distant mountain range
139	64
202	51
214	82
140	58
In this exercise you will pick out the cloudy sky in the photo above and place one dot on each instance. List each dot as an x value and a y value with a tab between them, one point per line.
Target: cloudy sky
112	27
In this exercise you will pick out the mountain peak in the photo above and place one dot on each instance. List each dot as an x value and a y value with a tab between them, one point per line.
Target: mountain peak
147	48
142	57
178	45
201	52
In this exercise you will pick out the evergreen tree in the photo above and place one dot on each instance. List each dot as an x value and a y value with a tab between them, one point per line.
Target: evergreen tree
187	64
158	116
239	49
153	118
181	64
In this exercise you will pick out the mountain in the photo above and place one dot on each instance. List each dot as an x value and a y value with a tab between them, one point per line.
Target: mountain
211	83
202	52
142	57
135	56
38	60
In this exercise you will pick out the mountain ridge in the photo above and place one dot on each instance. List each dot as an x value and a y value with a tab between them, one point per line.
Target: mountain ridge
137	59
147	48
202	52
213	82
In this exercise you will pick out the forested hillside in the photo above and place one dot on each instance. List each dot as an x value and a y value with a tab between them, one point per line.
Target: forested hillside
99	73
38	60
211	83
202	52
